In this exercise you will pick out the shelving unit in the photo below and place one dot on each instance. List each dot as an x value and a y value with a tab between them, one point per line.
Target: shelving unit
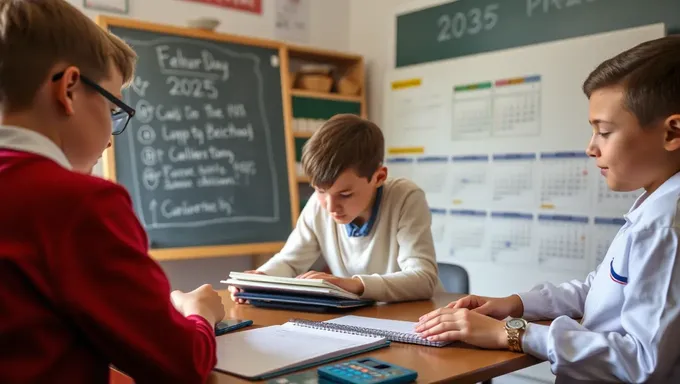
309	108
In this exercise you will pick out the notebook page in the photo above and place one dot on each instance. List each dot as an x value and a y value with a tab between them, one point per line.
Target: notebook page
263	350
400	326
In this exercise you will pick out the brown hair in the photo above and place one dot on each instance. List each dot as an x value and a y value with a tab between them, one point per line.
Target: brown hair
35	35
650	76
344	142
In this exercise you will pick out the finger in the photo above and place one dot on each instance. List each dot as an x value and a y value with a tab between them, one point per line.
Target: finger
447	336
462	303
304	275
485	309
444	317
318	275
432	315
444	325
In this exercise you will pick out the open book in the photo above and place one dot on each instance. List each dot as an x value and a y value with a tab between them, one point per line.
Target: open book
262	353
317	287
393	330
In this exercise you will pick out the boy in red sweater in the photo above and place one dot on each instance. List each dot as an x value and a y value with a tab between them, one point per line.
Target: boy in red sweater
78	290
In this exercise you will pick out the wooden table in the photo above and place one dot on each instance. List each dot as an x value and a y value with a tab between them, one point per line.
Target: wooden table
456	363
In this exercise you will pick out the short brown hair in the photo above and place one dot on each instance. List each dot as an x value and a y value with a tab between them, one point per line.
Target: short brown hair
35	35
650	76
344	142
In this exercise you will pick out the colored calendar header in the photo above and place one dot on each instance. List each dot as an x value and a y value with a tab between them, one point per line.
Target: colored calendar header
470	158
512	215
394	160
405	150
518	80
564	155
472	87
409	83
433	159
438	211
564	218
467	212
514	156
610	221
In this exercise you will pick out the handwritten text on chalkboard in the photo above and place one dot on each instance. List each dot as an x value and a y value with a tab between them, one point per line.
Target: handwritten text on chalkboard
193	151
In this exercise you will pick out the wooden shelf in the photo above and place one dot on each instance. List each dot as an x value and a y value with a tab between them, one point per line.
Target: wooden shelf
302	135
324	55
326	96
303	179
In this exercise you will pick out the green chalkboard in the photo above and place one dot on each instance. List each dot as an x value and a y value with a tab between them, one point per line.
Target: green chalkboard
466	27
204	159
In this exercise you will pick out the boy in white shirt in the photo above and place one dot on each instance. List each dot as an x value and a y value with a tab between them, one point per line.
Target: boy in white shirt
630	305
373	232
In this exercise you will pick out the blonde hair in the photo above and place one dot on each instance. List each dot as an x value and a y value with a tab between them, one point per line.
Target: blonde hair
35	35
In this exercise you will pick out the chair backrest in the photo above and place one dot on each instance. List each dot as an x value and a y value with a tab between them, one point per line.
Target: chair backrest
454	278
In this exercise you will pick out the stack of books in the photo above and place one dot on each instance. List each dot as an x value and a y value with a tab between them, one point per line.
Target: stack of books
310	295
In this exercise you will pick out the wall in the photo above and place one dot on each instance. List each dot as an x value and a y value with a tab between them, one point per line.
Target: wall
328	24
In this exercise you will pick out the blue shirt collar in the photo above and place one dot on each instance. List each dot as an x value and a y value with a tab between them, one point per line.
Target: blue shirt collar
354	230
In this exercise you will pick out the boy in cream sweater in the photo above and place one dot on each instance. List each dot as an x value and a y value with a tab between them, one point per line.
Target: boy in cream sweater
373	232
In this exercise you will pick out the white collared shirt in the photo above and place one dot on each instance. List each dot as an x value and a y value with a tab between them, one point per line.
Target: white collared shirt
630	305
26	140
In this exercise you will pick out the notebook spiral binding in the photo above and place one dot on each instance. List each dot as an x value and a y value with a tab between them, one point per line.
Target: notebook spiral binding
354	330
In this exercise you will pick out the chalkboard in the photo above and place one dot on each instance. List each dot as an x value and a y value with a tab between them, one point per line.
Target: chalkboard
205	157
466	27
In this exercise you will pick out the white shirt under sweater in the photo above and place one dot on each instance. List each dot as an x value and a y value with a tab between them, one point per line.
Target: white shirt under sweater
395	260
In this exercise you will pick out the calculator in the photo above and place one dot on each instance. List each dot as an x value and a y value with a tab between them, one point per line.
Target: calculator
366	371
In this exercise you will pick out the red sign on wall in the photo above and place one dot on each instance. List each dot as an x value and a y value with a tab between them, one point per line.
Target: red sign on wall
254	6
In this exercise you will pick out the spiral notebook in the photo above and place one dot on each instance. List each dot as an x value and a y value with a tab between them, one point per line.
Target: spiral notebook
262	353
392	330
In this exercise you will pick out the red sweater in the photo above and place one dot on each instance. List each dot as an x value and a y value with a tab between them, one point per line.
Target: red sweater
78	290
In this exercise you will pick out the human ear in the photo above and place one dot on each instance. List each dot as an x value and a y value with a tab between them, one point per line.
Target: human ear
380	176
672	137
63	89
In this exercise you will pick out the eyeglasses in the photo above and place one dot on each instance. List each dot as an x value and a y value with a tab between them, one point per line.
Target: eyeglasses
120	117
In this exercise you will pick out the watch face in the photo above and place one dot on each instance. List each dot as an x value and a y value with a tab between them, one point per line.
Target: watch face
516	323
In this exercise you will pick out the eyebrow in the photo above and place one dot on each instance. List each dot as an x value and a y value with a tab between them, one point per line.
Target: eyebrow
600	121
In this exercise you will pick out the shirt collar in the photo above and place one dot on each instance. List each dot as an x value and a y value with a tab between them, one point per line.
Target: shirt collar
354	230
669	186
25	140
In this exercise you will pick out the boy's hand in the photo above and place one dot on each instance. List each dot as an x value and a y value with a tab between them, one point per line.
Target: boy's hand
349	284
447	324
496	307
234	290
203	301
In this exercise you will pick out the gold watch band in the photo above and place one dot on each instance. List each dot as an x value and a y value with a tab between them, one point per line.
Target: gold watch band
514	340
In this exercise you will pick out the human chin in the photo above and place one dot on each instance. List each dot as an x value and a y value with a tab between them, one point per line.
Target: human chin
342	219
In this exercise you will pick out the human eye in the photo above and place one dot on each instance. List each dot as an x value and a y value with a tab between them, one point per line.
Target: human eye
603	134
346	195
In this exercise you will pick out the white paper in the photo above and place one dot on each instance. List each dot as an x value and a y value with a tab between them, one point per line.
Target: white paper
565	181
517	109
472	114
262	350
416	110
470	181
400	167
562	242
430	173
467	231
292	20
399	326
511	237
513	181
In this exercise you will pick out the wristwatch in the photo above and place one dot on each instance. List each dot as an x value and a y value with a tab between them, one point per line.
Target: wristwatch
515	328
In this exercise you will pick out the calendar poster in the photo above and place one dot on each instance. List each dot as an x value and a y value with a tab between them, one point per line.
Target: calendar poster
562	242
565	181
604	232
517	107
438	225
400	167
418	108
467	231
472	111
470	180
511	237
430	173
513	180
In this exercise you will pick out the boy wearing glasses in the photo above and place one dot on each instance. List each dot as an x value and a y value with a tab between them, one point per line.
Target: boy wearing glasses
78	290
